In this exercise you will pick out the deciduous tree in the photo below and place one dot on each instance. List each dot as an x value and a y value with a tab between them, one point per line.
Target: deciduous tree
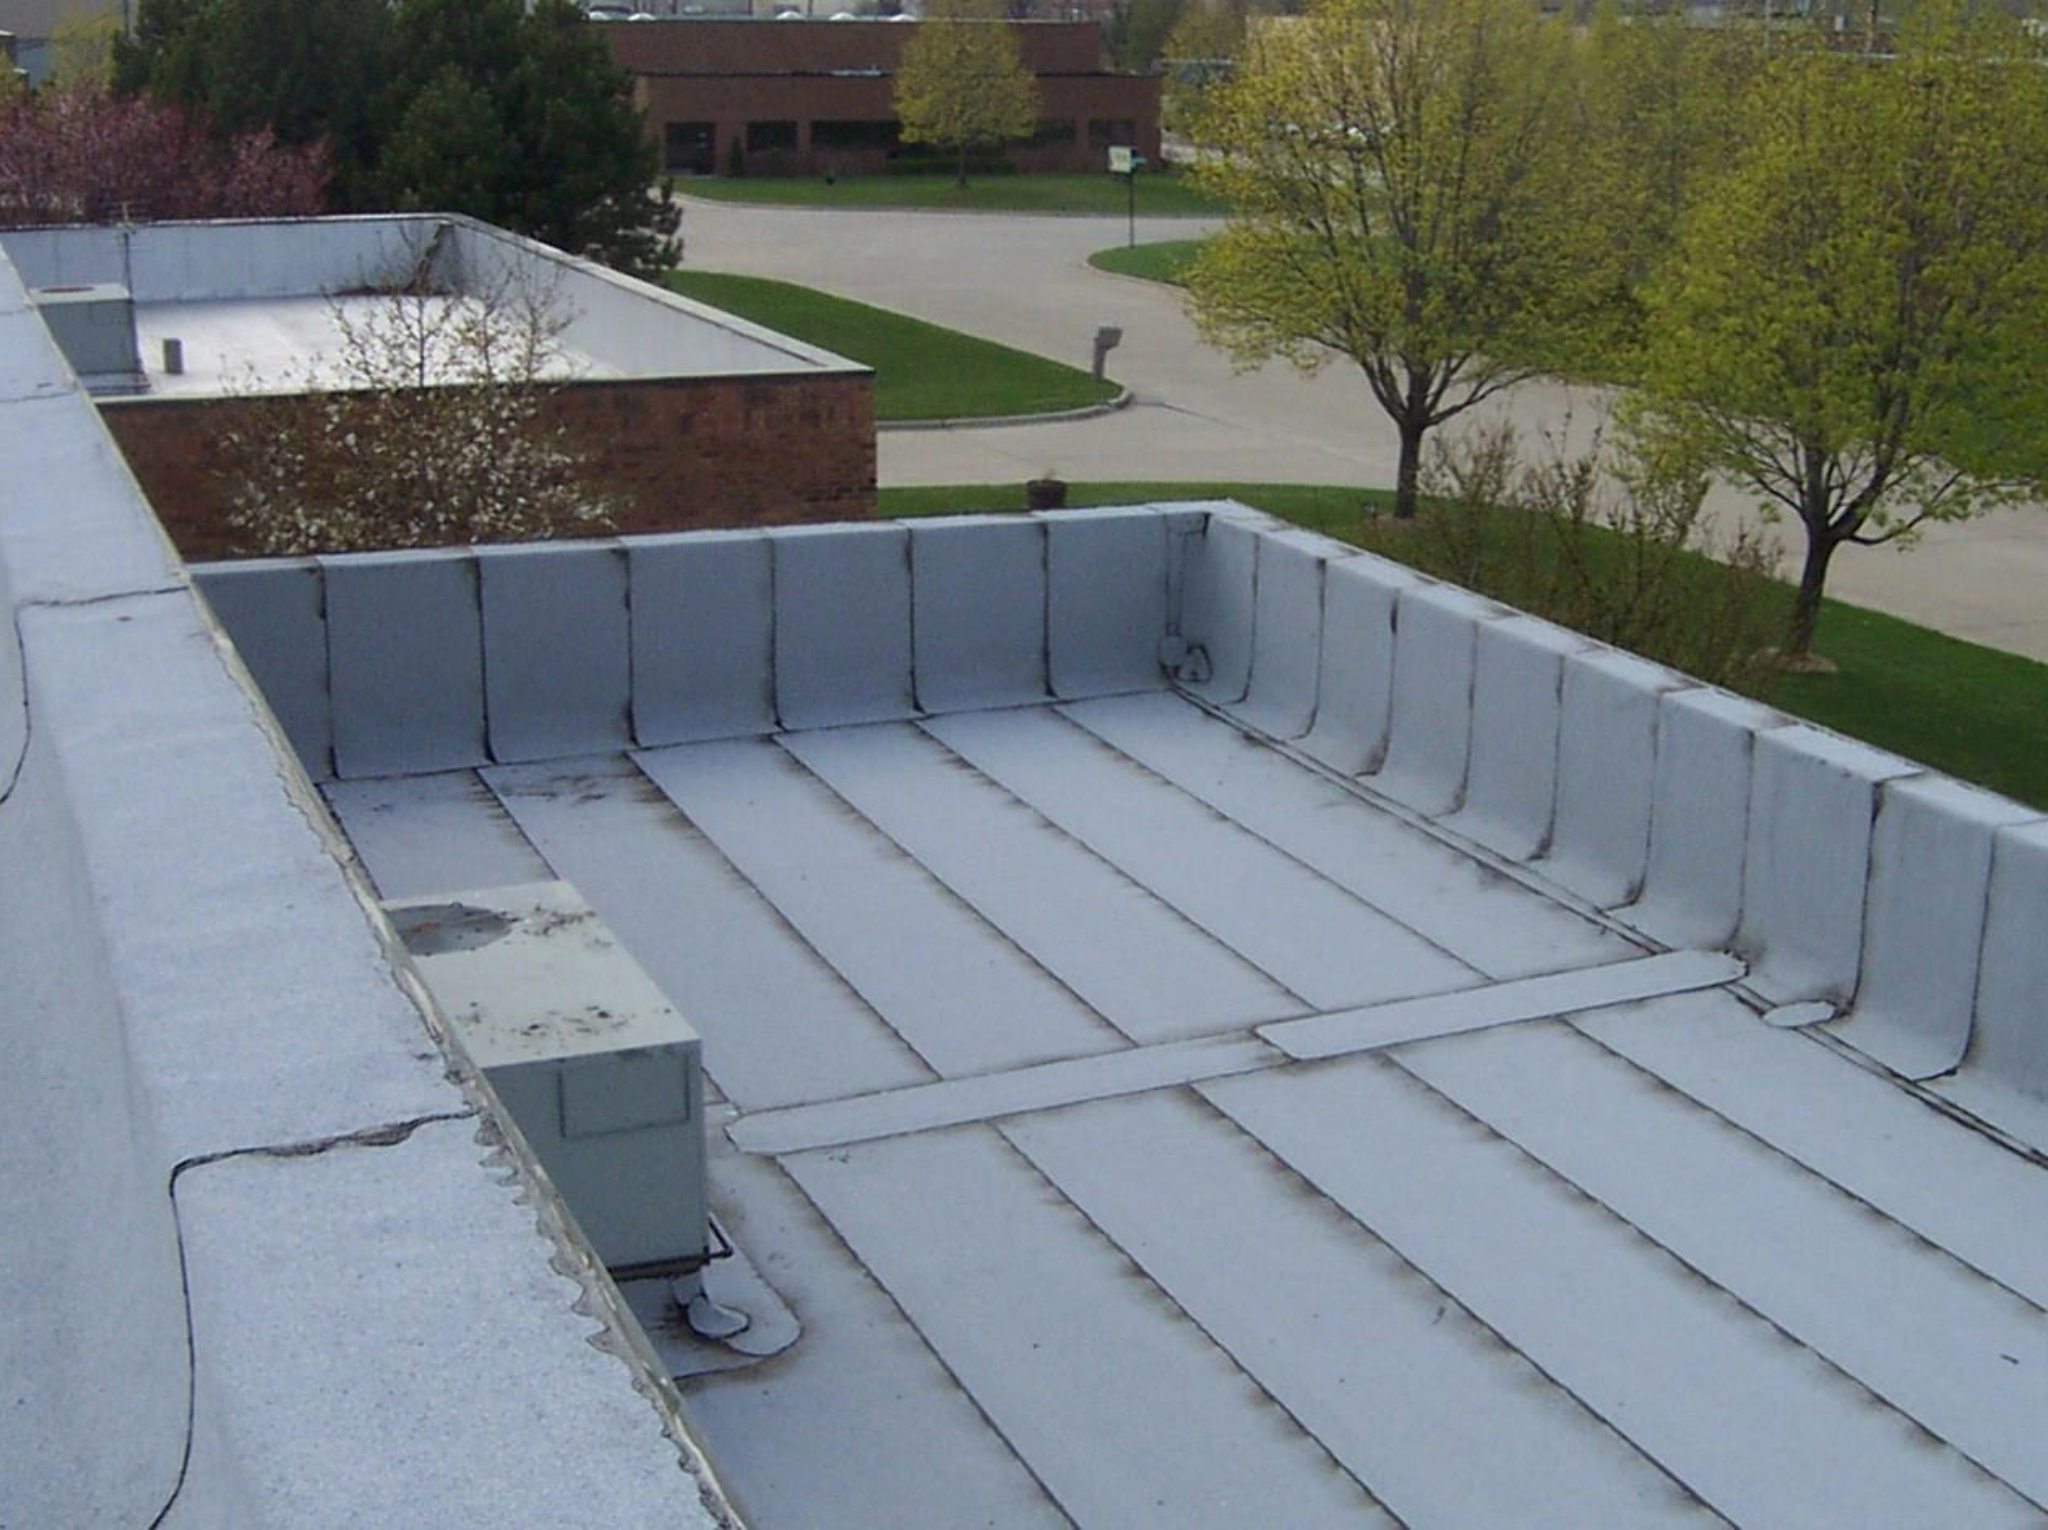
71	155
962	81
82	50
1198	51
1851	322
429	428
1403	178
1666	103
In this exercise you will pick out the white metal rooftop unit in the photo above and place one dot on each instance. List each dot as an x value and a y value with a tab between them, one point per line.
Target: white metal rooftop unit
1210	1028
254	306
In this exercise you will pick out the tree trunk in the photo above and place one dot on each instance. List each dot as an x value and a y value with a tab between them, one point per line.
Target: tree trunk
1813	578
1410	471
960	171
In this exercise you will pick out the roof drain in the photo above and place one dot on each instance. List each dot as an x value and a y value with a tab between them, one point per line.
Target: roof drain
1188	663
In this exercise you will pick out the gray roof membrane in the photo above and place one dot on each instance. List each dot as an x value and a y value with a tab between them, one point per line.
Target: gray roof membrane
1344	1082
266	1262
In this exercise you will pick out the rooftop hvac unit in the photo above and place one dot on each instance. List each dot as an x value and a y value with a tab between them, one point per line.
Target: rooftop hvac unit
94	326
603	1077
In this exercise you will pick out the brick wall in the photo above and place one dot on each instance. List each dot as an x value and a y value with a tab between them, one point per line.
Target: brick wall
819	47
1081	105
708	80
683	453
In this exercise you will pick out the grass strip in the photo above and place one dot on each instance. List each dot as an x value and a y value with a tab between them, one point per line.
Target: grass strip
922	371
1160	194
1163	261
1976	713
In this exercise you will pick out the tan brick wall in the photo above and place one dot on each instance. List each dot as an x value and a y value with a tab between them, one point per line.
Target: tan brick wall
682	453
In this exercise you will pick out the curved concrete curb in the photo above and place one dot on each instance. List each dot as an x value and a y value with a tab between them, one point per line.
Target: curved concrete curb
969	422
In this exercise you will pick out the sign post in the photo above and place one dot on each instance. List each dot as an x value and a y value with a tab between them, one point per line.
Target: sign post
1124	161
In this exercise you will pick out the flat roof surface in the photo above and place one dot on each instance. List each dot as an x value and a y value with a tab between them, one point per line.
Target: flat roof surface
1079	1104
280	344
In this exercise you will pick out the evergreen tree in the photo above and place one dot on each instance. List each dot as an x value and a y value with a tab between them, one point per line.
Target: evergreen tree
588	171
308	70
446	152
484	107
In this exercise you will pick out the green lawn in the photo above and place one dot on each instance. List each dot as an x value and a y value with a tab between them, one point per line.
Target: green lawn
1973	712
1159	194
1160	262
922	371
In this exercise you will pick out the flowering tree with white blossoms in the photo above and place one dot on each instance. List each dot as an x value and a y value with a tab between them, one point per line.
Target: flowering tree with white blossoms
429	427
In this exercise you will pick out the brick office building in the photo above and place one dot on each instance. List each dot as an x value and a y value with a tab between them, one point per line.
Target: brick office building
802	97
689	417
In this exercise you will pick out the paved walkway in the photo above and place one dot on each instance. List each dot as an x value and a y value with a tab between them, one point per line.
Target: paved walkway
1025	281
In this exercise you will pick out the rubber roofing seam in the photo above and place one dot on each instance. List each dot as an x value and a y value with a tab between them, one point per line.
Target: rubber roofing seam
1171	1301
742	879
1360	787
1691	1101
1933	1099
1387	914
947	891
1150	893
1450	1299
10	778
15	766
386	1134
925	1343
1707	1282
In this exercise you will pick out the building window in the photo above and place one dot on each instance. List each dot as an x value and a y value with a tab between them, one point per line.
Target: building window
1048	134
767	137
830	134
1104	131
690	148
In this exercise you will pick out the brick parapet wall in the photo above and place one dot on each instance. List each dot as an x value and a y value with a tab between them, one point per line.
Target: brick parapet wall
681	453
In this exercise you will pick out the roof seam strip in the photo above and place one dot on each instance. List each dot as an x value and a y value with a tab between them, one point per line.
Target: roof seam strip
1472	1314
918	1108
1828	1362
1800	1165
1175	1303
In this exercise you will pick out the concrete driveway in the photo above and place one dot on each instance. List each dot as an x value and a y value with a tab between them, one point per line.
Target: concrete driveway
1026	281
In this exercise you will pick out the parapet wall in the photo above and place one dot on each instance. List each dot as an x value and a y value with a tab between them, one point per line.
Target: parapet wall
631	327
1897	910
393	663
673	452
